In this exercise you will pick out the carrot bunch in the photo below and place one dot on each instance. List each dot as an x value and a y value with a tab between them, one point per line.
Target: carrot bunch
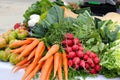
32	49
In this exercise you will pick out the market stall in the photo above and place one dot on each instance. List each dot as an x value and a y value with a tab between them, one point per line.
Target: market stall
59	41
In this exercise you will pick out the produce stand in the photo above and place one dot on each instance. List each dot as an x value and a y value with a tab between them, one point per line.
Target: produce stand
6	74
63	42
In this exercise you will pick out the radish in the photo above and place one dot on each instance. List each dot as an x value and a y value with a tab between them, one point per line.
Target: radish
88	53
89	61
93	71
71	55
85	57
92	65
69	36
82	63
70	63
81	48
96	60
75	47
87	66
93	55
69	42
98	68
68	49
80	54
64	42
76	66
76	41
76	60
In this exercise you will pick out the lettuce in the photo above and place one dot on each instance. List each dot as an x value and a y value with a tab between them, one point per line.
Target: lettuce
111	60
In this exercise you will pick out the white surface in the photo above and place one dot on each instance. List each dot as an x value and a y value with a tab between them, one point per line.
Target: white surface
7	74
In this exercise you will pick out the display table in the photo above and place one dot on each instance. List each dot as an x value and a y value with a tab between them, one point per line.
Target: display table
7	74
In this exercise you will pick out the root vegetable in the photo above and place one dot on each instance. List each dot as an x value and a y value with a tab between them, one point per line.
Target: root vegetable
80	54
75	47
71	55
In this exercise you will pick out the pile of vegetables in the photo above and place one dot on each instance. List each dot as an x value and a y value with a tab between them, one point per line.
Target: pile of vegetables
60	46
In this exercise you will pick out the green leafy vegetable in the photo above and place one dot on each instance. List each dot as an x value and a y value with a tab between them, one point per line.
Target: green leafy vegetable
55	15
108	30
111	60
39	7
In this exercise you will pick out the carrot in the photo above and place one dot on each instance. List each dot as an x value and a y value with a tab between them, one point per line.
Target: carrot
56	63
32	54
50	52
22	66
30	38
45	68
29	70
19	50
19	43
32	74
39	50
65	64
22	62
28	48
49	72
60	68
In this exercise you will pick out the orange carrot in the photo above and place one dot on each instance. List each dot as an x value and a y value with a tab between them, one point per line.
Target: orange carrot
19	43
19	50
29	70
22	62
56	63
32	74
21	67
46	68
32	54
50	52
60	68
28	48
30	38
65	64
39	50
49	72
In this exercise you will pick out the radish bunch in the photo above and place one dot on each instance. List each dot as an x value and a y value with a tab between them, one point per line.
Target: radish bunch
78	58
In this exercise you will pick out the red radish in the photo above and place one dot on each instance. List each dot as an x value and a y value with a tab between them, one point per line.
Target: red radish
71	55
80	54
76	60
92	65
69	42
81	48
70	63
82	63
64	42
75	47
87	66
76	66
85	57
80	44
68	49
98	68
93	71
17	25
76	41
88	53
96	60
89	61
69	36
93	55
